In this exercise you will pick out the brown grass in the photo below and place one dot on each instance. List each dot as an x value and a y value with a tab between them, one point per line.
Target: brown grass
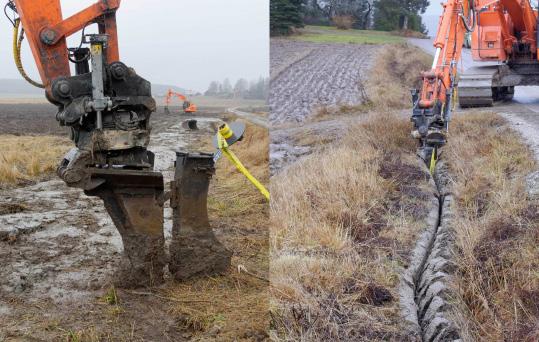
496	231
343	22
29	158
410	34
233	307
345	218
397	70
342	225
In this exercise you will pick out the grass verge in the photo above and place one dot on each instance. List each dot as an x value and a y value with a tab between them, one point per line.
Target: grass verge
25	159
329	34
496	229
343	222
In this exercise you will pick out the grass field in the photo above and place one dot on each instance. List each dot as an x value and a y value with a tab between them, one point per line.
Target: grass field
328	34
29	158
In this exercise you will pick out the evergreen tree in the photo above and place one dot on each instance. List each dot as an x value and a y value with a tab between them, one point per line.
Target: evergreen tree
227	87
285	15
393	15
241	87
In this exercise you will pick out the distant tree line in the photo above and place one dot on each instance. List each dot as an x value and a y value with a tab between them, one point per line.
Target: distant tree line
384	15
242	89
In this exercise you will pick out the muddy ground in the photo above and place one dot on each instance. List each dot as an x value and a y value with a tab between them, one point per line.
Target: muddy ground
59	250
308	78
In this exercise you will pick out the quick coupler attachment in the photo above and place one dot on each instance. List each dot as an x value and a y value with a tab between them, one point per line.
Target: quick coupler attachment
194	249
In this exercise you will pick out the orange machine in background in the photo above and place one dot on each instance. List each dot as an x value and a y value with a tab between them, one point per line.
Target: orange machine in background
188	107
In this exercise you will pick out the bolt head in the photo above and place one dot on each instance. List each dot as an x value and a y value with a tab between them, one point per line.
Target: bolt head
63	89
48	36
119	72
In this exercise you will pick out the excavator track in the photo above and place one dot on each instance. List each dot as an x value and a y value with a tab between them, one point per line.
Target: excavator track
476	86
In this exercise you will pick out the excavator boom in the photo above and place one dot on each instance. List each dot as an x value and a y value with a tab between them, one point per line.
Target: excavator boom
503	31
46	31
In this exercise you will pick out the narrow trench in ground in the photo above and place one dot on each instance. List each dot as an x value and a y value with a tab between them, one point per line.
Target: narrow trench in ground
431	275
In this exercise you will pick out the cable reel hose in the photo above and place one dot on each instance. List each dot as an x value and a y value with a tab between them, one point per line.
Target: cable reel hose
17	44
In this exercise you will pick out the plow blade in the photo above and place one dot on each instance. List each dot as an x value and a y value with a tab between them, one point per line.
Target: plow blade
194	249
133	200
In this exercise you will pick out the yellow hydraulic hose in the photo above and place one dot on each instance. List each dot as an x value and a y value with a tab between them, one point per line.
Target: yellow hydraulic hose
17	43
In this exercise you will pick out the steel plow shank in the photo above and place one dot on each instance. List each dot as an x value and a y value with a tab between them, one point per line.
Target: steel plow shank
194	249
135	199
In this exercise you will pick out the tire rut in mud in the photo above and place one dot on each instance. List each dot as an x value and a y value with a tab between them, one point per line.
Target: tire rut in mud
424	290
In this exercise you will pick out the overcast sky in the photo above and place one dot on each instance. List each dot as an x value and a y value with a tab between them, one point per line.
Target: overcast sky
187	43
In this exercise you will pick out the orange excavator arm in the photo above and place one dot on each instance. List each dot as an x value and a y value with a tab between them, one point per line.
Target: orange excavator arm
503	31
432	103
47	31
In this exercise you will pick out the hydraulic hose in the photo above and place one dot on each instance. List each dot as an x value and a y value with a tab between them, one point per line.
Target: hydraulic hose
17	44
471	15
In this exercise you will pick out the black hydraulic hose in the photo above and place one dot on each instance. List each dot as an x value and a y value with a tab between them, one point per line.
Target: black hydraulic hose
471	17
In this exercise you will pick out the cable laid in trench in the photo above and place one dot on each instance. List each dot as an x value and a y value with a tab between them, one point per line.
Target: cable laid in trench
424	290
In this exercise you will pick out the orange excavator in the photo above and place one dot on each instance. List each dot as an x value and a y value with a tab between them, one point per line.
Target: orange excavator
107	108
188	107
504	33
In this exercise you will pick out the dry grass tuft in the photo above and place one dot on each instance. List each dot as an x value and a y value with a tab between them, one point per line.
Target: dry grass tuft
397	70
234	194
410	34
496	230
231	308
343	222
29	158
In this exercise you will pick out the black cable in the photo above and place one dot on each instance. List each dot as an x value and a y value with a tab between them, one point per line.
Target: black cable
80	46
11	6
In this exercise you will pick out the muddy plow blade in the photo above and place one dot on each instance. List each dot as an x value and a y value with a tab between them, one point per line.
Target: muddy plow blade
194	249
133	200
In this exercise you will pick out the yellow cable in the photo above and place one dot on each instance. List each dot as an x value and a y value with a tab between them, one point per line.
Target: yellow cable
455	95
223	146
17	44
433	160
